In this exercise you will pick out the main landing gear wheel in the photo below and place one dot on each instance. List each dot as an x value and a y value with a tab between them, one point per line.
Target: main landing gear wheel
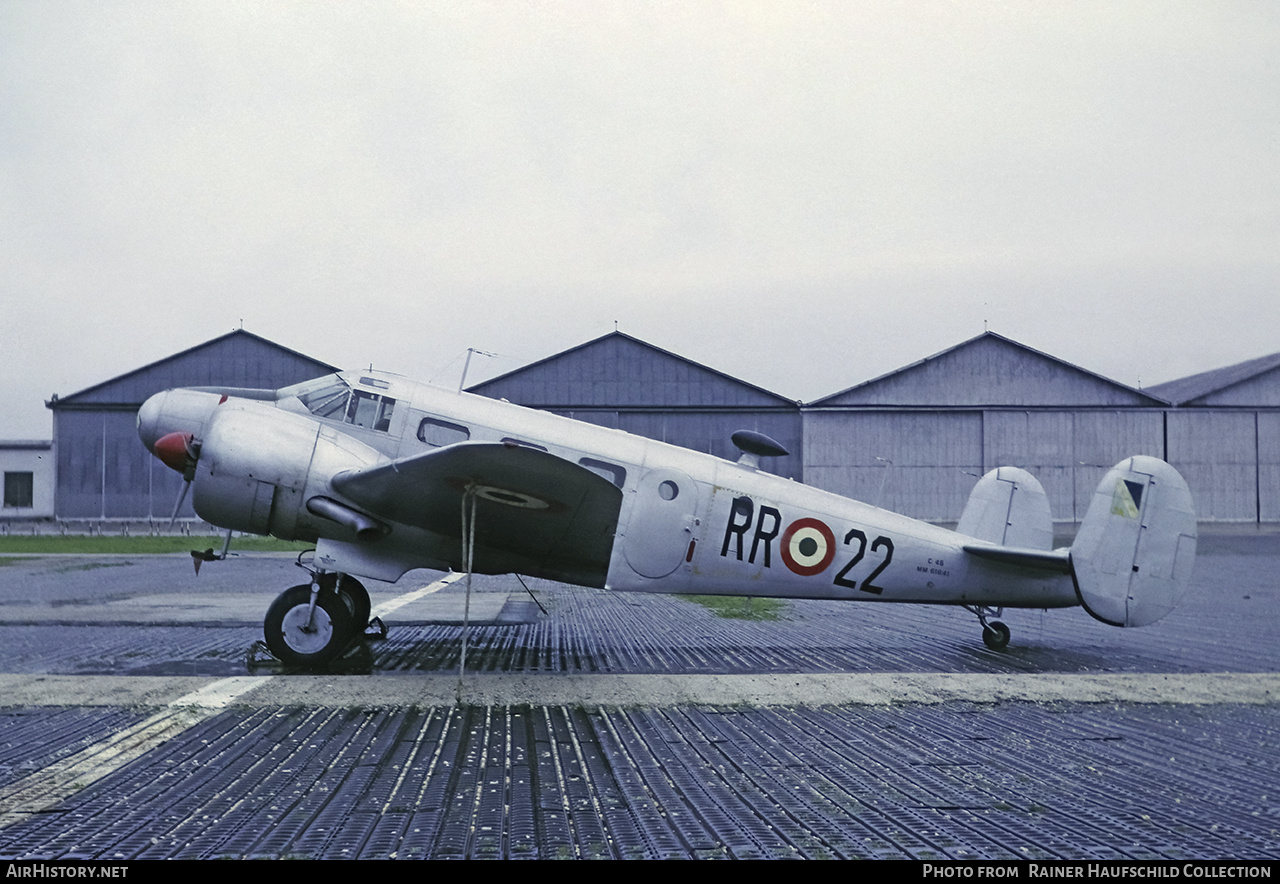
361	605
354	596
299	636
995	635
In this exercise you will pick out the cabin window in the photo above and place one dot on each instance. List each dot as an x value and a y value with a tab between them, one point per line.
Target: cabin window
611	471
19	489
439	433
370	410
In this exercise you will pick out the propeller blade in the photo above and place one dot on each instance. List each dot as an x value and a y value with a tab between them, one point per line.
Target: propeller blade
179	452
182	495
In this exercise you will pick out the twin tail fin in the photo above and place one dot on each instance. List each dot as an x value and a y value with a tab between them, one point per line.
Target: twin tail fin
1132	557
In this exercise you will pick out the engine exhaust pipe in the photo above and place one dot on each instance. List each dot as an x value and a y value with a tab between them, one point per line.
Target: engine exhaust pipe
365	527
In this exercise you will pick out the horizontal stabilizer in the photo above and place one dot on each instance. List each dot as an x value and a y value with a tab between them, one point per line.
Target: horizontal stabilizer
1052	561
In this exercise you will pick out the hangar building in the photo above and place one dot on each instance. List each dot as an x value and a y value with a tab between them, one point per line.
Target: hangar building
1224	437
621	382
102	470
915	440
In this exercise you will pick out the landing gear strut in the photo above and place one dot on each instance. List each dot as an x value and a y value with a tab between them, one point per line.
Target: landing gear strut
995	635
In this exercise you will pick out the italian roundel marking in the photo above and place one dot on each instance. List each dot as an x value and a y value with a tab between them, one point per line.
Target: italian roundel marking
808	546
510	498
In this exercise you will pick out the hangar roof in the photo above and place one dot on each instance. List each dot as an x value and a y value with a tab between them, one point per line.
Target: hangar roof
617	371
236	359
990	371
1249	383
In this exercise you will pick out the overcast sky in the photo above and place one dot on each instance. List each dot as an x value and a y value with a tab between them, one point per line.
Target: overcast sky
802	194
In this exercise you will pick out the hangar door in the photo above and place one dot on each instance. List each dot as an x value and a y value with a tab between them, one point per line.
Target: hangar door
922	464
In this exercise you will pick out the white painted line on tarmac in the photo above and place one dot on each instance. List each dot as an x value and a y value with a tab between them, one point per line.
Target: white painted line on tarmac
62	779
400	601
222	693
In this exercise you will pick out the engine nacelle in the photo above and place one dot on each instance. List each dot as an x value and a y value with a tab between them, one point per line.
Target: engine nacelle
259	465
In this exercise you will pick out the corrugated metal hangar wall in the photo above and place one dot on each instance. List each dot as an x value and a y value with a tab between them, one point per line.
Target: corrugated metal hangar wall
916	440
621	382
913	441
1224	435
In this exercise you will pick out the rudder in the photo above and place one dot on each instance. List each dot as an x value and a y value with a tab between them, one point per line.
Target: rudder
1133	556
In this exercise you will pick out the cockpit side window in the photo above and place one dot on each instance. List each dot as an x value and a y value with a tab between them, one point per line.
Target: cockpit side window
370	410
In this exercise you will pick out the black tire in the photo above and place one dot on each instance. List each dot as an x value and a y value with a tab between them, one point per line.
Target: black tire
995	635
354	595
330	632
358	602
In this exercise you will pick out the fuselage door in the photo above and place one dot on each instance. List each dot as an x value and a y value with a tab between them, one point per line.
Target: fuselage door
659	530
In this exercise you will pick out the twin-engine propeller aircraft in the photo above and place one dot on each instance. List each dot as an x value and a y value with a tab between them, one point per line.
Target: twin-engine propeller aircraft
384	475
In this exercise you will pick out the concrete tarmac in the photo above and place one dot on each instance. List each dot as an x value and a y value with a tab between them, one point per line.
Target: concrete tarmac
133	725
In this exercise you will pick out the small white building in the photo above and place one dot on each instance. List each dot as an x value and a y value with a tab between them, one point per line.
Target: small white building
27	479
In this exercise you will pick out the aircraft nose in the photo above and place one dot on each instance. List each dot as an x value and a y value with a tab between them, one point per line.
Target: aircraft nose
149	416
175	411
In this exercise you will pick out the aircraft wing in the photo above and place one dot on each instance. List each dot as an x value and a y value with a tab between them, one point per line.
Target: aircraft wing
536	513
1054	561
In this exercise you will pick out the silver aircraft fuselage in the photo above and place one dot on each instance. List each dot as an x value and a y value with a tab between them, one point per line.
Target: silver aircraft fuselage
277	462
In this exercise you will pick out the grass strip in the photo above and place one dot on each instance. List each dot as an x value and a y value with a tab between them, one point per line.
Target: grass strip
734	607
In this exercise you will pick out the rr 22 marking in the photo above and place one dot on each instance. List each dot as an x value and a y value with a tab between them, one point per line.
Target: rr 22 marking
867	585
807	544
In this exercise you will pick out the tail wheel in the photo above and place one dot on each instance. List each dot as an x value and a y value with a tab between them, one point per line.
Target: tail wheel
301	637
995	635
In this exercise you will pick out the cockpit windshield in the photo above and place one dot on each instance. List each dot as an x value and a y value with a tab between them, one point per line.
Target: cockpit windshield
333	398
329	400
